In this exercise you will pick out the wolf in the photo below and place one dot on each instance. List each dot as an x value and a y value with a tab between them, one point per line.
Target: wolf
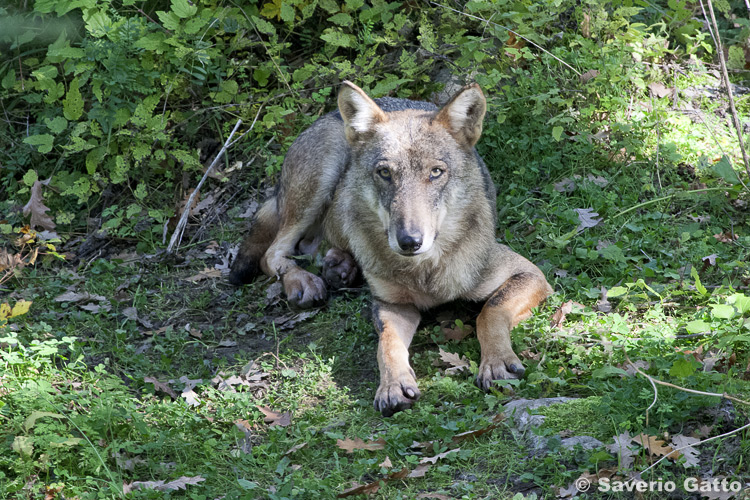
401	195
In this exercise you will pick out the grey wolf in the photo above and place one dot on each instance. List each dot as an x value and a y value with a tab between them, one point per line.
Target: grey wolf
399	191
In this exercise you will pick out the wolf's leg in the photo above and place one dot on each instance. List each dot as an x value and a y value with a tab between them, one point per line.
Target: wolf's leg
396	324
339	268
510	304
246	265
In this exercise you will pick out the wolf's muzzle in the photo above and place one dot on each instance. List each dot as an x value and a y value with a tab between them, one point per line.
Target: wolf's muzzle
408	242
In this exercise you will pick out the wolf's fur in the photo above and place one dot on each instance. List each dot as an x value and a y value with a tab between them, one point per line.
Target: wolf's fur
398	189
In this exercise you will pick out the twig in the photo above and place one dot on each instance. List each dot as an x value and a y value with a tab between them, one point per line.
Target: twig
725	78
674	452
487	21
685	389
177	235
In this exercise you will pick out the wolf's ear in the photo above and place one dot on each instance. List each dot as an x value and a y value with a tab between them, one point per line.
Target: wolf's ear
360	113
463	114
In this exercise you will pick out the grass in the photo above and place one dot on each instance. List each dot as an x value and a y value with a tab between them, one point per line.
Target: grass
81	415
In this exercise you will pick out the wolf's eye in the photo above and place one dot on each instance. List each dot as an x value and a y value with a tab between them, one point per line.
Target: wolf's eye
385	173
435	173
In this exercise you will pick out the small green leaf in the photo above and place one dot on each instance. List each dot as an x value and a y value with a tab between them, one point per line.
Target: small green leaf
36	415
43	142
184	8
286	13
247	485
557	133
608	371
617	291
682	368
9	80
73	103
337	38
30	177
698	285
342	19
169	19
56	125
697	326
740	301
722	311
723	168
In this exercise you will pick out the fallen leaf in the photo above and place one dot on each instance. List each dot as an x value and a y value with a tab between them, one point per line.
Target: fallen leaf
592	73
158	331
205	274
587	218
710	259
420	470
456	362
273	418
566	185
623	448
434	459
294	448
726	237
468	435
569	492
37	209
357	444
177	484
659	90
458	332
684	443
373	487
386	463
161	386
559	316
631	368
654	445
603	305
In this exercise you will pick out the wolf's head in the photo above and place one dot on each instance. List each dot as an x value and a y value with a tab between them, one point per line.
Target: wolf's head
417	163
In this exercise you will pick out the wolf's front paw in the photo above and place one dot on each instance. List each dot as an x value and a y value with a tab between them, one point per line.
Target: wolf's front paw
396	395
498	368
303	289
339	268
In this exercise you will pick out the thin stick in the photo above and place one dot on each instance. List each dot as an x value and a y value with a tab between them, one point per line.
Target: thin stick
725	75
693	391
177	235
487	21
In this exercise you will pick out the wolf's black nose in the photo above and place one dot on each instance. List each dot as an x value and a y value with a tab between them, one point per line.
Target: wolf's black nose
408	242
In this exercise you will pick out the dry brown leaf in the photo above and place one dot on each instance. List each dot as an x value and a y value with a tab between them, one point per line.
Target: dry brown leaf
357	444
559	316
569	492
37	209
654	445
156	332
592	73
420	470
205	274
178	484
161	386
193	332
386	463
456	362
294	448
659	90
587	218
433	460
457	333
246	427
273	418
371	488
468	435
726	237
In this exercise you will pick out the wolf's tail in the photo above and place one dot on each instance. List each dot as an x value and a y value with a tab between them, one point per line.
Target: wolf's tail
262	233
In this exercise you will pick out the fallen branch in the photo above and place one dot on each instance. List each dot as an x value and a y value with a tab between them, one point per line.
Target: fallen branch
178	231
725	79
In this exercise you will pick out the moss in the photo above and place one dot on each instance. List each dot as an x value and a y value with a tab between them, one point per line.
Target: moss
581	417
